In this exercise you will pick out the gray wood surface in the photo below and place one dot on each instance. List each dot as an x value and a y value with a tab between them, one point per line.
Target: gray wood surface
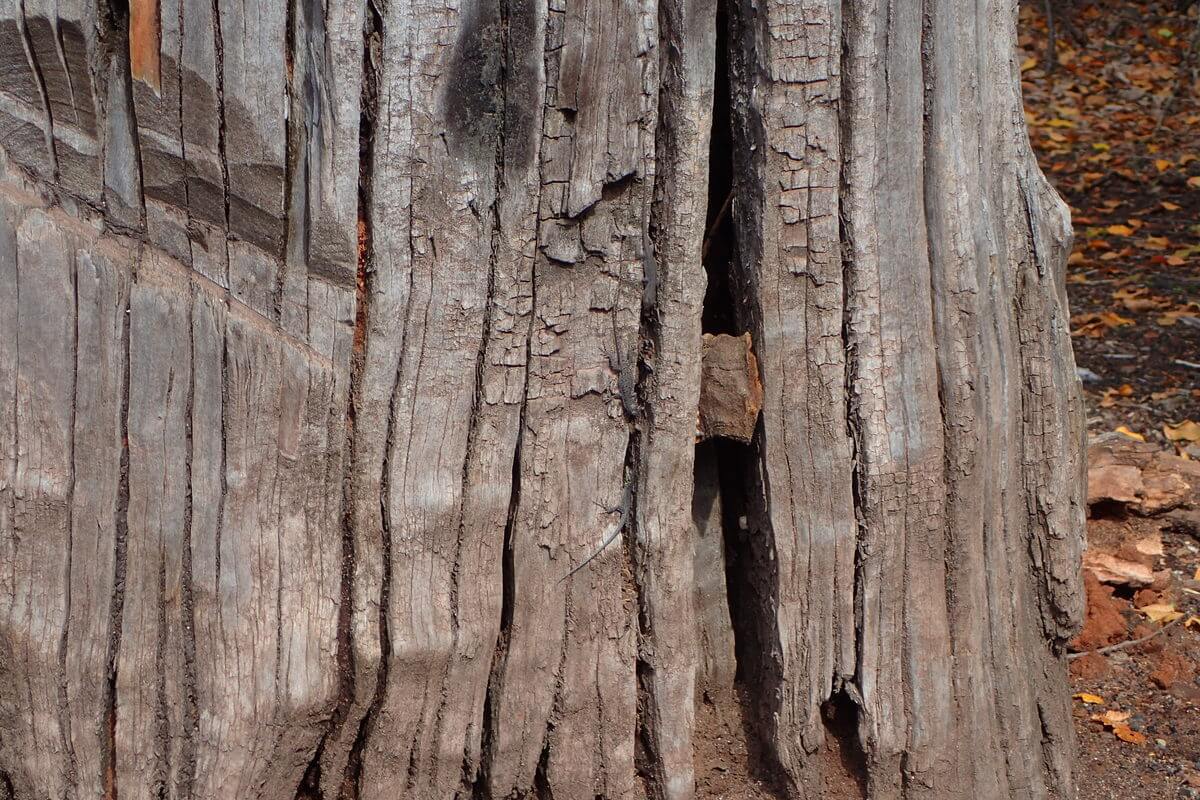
335	338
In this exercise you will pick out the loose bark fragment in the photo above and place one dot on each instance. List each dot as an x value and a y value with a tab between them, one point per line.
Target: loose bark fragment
731	393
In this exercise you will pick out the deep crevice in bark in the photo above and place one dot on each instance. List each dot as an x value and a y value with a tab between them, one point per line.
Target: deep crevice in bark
310	787
108	757
222	156
840	715
364	280
70	766
857	476
186	775
294	207
541	783
480	790
731	253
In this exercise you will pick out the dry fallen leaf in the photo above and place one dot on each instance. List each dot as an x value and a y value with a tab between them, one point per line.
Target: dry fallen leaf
1090	699
1109	398
1128	734
1127	433
1111	717
1161	612
1193	622
1169	318
1186	431
1096	324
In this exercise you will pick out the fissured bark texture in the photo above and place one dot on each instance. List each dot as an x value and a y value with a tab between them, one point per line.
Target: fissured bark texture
334	336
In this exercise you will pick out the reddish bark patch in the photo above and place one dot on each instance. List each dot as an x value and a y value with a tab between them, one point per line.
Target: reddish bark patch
144	40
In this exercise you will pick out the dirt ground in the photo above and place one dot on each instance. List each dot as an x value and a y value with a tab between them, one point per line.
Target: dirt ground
1116	124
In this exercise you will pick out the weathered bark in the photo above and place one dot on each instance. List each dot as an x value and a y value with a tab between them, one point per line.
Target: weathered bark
333	336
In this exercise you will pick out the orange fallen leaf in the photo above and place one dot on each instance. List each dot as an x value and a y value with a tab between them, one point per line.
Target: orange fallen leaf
1128	734
1162	164
1089	699
1128	434
1120	230
1169	206
1096	324
1109	398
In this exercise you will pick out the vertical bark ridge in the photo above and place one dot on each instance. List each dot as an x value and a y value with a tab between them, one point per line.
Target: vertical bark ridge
475	726
70	762
333	764
589	254
519	186
952	114
668	390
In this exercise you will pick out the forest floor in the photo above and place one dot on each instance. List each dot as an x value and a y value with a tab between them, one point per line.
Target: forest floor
1116	125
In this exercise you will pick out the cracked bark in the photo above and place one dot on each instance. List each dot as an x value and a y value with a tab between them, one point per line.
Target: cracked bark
330	333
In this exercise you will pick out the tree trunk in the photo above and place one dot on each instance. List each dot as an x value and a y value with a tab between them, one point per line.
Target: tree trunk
336	335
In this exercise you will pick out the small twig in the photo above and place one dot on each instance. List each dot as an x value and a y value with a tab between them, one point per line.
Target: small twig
716	223
1112	648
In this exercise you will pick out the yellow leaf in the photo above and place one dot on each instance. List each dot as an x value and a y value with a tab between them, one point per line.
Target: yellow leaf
1192	623
1059	122
1102	147
1169	206
1028	64
1161	612
1162	164
1120	230
1194	181
1090	699
1186	431
1124	431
